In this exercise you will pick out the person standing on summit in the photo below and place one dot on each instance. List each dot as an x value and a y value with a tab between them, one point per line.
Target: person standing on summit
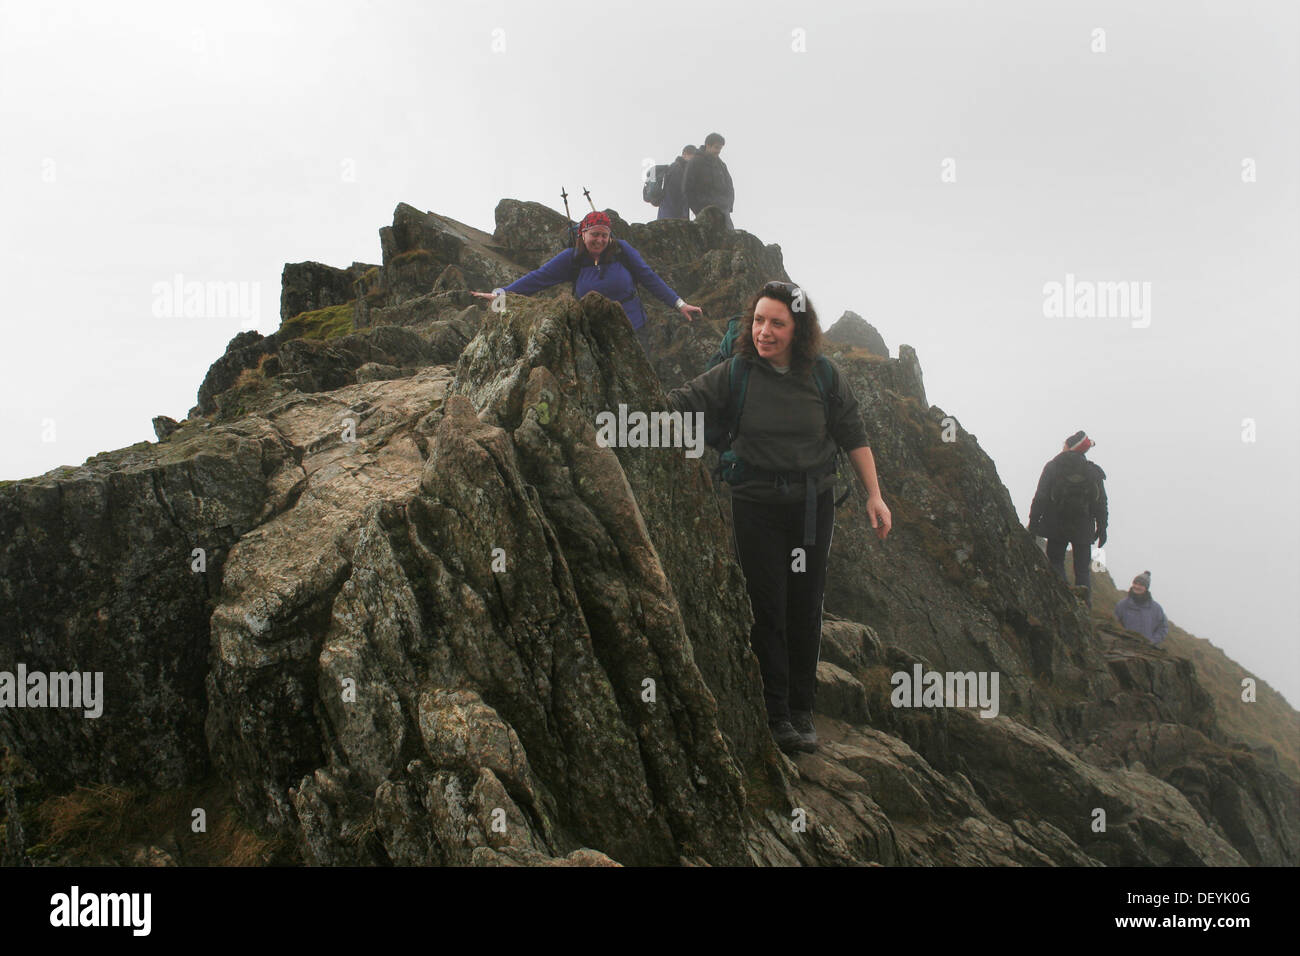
707	181
600	263
1069	509
673	205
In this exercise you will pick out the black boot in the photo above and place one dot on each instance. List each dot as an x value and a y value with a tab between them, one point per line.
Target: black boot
786	737
802	722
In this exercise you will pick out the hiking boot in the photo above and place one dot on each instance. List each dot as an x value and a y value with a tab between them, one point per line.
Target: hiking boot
802	722
786	737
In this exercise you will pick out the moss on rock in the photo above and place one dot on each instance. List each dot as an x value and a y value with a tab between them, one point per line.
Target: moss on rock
332	322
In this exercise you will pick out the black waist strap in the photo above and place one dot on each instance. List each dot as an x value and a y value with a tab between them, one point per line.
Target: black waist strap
753	473
809	479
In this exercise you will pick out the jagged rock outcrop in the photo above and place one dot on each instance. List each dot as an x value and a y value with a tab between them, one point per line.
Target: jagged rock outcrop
435	622
276	365
164	425
97	575
418	247
308	286
529	232
853	331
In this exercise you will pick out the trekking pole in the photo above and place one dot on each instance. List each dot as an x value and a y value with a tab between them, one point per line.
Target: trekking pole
587	192
573	229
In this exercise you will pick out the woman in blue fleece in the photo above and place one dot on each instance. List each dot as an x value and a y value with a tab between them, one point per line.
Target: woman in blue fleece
611	267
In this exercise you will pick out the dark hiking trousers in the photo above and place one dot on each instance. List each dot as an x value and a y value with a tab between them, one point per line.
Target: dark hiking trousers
787	604
1080	541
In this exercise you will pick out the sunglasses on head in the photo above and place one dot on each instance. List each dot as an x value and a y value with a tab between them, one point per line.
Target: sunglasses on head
776	285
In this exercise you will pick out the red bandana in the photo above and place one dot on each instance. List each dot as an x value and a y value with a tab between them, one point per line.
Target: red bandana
595	219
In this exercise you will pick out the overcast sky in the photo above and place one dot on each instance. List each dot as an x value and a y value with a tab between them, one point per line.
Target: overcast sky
932	166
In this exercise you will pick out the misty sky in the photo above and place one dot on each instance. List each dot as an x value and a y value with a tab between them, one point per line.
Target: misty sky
146	140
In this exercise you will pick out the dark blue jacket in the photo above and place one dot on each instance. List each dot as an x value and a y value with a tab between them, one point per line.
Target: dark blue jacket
615	278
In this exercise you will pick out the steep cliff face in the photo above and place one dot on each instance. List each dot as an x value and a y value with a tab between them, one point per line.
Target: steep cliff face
387	587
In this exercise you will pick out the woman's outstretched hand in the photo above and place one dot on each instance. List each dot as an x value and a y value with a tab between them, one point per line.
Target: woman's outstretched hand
880	517
687	309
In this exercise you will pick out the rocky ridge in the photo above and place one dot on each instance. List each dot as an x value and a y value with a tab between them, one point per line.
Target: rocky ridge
437	623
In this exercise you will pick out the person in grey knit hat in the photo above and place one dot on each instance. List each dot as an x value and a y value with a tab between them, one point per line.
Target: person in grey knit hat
1139	612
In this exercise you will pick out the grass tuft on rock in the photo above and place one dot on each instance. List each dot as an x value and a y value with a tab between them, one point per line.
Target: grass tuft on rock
322	325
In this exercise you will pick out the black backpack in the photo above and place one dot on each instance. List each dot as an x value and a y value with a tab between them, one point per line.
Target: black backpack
652	191
1074	491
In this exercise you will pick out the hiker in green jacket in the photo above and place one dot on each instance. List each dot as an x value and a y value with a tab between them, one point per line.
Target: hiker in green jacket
795	411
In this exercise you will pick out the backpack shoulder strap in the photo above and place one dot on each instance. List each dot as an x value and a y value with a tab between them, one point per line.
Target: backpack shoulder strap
738	378
824	376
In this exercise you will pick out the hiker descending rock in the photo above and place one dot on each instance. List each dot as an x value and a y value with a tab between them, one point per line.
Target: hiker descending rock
786	409
707	181
599	263
1139	612
1069	508
666	189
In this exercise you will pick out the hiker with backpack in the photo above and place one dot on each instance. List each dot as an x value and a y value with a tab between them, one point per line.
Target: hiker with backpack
672	196
781	411
600	263
1069	509
1138	611
707	181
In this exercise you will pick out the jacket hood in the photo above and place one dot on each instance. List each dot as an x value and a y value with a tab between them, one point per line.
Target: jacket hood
1092	464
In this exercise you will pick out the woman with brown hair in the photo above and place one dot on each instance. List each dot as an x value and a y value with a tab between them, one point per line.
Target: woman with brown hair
788	409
